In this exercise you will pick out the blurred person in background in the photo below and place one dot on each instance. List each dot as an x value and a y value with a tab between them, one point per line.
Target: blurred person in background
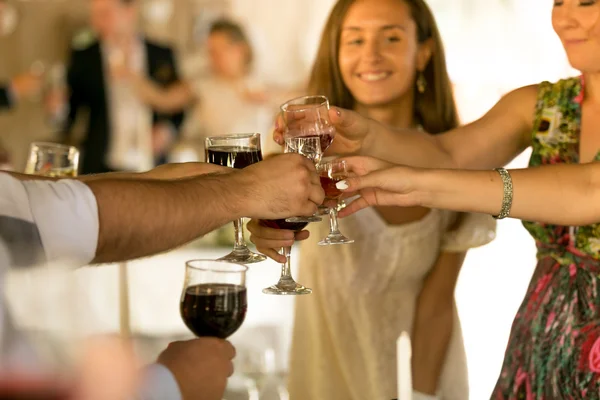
19	87
385	60
231	88
122	132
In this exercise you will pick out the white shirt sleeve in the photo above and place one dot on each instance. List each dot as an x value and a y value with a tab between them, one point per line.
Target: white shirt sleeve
60	216
158	383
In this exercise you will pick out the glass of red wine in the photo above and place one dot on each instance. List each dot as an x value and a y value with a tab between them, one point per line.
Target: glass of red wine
214	301
236	151
330	173
286	285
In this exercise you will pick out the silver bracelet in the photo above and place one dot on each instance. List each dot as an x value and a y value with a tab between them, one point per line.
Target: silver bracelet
508	193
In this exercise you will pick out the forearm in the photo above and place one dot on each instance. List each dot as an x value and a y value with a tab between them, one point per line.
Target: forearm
544	194
391	145
165	100
140	218
434	322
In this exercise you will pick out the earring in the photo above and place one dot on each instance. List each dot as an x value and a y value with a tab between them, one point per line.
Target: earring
421	83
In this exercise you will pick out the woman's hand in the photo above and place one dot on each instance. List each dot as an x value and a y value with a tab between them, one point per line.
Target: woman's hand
379	183
352	130
268	240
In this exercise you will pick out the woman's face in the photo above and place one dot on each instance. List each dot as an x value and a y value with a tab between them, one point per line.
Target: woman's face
228	58
379	55
576	22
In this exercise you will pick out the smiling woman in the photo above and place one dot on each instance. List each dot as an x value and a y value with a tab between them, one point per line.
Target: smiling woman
384	59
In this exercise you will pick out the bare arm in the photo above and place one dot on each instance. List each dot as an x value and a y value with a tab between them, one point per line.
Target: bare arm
482	191
492	141
433	323
172	99
171	213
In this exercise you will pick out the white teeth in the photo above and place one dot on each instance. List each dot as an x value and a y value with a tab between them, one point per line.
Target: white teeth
374	77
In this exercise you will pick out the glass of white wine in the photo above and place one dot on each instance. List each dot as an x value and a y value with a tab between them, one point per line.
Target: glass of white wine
52	159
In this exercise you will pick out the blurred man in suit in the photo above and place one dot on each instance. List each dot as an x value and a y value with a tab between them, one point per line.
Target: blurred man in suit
122	133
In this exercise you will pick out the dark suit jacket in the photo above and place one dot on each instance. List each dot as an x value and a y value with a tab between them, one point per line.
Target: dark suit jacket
5	101
86	81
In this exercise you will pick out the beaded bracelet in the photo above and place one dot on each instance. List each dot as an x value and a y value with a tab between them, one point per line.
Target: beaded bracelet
508	193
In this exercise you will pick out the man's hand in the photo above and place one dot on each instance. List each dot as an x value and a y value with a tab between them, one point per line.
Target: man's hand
268	240
200	366
283	186
352	130
26	85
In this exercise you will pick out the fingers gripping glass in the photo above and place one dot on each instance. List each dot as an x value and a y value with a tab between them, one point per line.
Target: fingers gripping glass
236	151
286	284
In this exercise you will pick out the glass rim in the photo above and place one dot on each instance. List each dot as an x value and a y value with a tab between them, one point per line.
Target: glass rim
236	267
234	136
298	101
51	145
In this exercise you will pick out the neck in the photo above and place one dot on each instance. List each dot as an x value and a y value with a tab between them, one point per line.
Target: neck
399	114
592	87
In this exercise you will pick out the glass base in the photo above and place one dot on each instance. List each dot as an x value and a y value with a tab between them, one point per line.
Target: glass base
304	219
335	238
243	256
287	286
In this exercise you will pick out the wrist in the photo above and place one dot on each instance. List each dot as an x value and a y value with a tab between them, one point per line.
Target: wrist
423	184
234	193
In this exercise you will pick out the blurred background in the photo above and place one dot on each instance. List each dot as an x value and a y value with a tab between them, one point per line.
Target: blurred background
492	46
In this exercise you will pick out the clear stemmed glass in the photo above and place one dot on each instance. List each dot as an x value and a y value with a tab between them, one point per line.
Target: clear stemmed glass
51	159
214	300
308	117
236	151
330	173
309	147
286	284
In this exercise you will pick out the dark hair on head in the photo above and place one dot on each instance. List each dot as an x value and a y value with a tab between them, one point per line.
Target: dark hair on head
235	32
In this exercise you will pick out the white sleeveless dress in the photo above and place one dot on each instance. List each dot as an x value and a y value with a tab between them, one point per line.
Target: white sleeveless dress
364	296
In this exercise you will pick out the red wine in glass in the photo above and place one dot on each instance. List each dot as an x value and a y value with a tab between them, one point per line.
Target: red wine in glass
283	224
328	185
233	157
214	309
325	136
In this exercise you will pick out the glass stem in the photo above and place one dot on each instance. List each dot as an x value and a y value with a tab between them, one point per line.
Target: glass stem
333	221
240	241
286	267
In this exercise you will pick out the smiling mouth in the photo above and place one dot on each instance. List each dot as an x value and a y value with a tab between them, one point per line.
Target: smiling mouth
373	76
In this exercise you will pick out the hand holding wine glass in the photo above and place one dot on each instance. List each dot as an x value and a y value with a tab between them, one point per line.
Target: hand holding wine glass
378	183
331	173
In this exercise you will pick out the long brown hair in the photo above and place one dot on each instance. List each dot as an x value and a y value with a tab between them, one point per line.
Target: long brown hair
435	109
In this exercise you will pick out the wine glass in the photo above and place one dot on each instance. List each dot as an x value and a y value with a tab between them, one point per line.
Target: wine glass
236	151
286	285
213	301
330	173
52	159
309	147
308	117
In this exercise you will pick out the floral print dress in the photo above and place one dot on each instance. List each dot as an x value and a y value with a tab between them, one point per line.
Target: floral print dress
554	346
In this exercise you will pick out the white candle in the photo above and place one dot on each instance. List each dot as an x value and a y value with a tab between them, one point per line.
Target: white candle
403	355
